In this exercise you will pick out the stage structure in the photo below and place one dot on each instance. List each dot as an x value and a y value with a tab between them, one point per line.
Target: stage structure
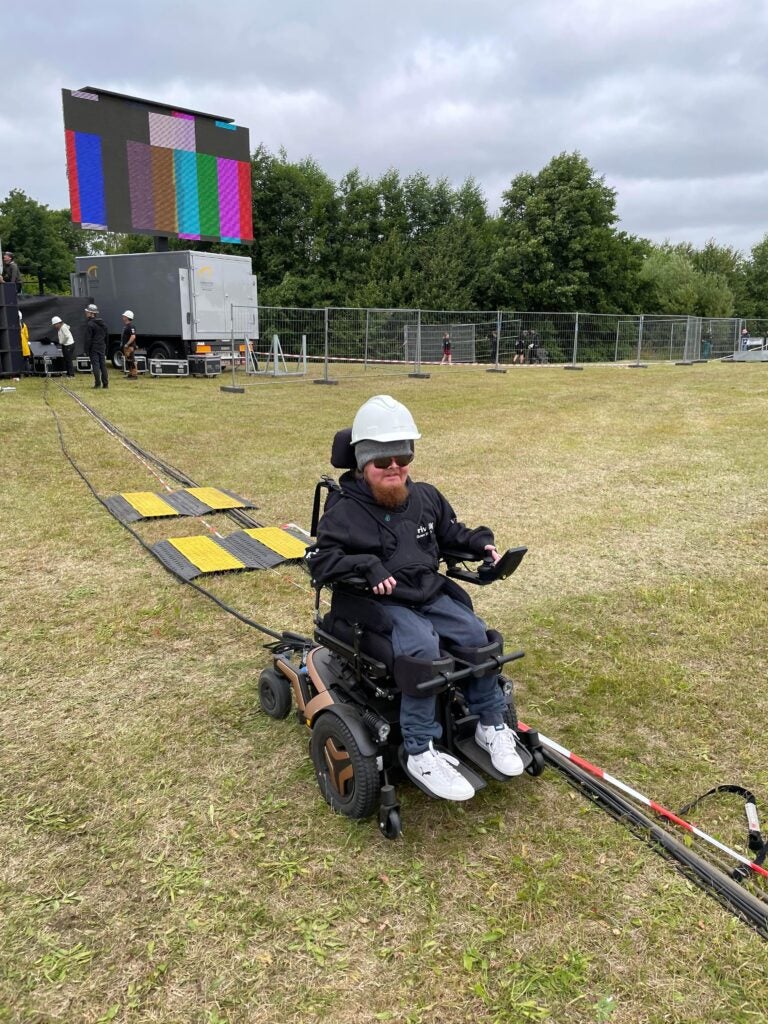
140	167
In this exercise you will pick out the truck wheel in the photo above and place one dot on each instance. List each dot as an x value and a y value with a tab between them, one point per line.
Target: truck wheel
118	359
160	351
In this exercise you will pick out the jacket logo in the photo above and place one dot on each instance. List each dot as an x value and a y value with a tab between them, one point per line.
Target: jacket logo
425	530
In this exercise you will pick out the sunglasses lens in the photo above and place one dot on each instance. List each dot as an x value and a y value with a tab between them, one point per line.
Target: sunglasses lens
386	461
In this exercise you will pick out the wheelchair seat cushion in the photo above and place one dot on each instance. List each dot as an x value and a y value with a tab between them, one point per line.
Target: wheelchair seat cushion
375	645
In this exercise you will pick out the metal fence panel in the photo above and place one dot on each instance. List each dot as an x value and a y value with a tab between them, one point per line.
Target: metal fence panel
292	326
432	336
719	336
356	341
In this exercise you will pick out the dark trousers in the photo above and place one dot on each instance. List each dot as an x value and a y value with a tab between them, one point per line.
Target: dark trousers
69	363
418	633
99	367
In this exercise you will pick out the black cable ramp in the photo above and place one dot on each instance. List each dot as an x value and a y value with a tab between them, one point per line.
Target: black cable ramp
261	548
132	506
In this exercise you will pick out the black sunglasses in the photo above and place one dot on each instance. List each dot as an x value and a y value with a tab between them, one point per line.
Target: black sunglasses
386	461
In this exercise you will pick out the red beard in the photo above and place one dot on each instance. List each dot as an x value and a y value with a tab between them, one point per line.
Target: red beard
389	497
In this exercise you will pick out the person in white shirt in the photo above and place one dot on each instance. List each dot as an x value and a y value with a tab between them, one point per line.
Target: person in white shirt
67	343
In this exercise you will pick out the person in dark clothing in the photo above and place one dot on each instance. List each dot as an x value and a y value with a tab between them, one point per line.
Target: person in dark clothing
11	274
96	334
128	345
390	530
534	348
446	349
521	347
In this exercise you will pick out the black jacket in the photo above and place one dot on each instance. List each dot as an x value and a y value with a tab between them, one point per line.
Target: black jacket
358	537
95	334
11	274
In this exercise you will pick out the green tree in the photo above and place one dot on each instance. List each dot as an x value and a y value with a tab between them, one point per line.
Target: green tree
714	297
76	241
359	230
34	233
296	215
558	246
671	281
723	264
675	285
756	282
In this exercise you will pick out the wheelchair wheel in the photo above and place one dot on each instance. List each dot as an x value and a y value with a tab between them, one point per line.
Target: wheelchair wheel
348	779
274	693
390	824
537	765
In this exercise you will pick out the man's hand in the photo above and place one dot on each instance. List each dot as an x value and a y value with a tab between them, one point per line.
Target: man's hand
386	586
491	549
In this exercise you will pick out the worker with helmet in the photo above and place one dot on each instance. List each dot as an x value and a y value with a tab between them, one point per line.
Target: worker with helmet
67	343
390	530
96	334
128	345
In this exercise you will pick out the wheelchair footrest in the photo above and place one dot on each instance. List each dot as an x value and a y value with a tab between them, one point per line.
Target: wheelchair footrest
464	741
475	780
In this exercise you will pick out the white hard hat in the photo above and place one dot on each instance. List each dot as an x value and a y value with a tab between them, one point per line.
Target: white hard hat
20	316
55	320
92	308
129	314
383	418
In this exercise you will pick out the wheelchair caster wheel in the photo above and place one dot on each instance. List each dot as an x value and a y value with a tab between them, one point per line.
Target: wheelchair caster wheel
390	824
536	767
274	693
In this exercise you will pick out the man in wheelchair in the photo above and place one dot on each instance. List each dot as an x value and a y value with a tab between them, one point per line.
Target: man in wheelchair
390	531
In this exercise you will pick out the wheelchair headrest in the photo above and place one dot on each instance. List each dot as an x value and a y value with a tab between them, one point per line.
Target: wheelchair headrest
342	450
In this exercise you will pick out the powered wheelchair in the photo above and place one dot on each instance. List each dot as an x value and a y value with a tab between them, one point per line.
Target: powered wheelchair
343	687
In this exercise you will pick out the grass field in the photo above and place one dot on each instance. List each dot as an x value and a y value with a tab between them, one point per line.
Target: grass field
166	854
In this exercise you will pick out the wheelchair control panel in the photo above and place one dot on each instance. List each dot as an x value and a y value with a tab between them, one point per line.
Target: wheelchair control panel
487	572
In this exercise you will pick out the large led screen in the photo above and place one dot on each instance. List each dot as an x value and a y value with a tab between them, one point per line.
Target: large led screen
145	168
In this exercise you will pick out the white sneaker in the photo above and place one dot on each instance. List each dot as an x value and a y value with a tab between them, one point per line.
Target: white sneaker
499	741
437	773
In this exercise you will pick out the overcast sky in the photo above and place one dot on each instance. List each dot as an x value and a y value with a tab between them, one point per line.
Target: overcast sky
667	100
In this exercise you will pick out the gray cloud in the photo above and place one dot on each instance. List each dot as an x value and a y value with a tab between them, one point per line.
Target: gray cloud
664	98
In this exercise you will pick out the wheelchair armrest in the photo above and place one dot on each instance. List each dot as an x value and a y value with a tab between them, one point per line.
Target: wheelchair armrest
487	572
453	555
354	584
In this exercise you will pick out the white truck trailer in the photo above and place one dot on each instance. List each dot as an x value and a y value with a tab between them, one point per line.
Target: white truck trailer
184	303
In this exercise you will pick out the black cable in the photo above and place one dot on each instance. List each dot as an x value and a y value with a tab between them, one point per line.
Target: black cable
195	586
747	906
238	515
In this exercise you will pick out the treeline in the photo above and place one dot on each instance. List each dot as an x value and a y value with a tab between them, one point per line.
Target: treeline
407	242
